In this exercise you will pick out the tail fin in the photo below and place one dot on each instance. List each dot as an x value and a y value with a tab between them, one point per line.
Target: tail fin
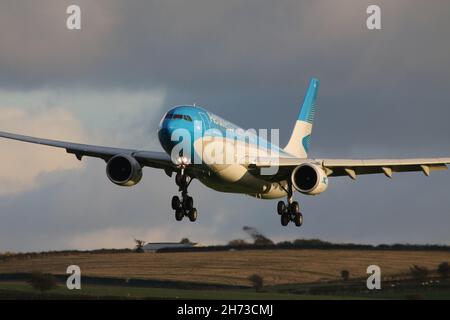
298	144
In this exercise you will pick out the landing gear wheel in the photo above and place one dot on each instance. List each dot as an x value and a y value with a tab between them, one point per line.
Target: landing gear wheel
285	220
183	206
176	203
179	214
192	214
294	207
298	219
188	203
281	207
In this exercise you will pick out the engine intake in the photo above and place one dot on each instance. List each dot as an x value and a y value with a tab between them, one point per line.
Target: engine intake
124	170
309	179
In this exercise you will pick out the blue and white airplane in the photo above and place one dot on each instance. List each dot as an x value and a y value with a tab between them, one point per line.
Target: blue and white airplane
245	174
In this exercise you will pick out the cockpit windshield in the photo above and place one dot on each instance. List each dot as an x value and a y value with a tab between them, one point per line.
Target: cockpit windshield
179	116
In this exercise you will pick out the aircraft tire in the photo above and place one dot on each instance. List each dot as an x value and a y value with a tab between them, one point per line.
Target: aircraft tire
188	203
285	220
176	203
193	215
179	214
281	207
294	207
298	220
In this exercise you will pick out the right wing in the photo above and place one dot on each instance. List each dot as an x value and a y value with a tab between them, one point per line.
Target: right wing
145	158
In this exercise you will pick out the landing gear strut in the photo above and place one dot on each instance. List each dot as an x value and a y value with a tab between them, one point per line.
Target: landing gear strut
290	211
185	205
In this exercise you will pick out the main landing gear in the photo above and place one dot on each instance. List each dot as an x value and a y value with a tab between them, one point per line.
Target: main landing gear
185	205
290	211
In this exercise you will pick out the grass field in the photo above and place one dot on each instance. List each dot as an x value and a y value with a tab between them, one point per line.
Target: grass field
23	290
233	267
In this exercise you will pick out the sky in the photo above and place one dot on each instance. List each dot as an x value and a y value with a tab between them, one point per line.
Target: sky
384	93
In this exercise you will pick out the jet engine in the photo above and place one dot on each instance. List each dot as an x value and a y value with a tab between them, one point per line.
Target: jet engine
309	179
124	170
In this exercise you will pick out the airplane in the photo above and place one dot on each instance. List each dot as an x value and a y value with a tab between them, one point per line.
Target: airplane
246	175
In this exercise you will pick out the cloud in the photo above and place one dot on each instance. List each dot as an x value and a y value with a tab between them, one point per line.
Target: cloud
114	237
22	163
116	118
123	236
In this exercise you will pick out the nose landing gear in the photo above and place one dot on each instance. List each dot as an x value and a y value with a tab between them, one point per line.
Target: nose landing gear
184	206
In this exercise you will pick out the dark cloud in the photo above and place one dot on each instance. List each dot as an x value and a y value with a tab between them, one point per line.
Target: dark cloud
383	94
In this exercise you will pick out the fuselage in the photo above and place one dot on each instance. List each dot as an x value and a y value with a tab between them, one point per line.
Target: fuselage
205	131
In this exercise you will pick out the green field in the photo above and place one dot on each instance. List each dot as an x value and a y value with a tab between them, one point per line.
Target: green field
24	290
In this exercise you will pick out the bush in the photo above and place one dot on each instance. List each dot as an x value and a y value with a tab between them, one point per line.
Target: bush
312	243
257	281
444	270
419	273
345	275
237	243
42	281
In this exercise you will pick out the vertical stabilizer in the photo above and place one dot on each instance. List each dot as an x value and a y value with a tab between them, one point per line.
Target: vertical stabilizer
298	144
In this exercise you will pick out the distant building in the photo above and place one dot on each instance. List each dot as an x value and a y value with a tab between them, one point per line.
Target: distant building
155	246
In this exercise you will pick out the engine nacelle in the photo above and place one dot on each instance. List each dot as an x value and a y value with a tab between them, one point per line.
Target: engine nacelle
124	170
309	179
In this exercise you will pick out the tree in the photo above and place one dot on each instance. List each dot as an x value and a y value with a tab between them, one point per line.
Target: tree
139	245
185	241
444	270
42	281
258	237
237	243
419	273
345	275
257	281
284	244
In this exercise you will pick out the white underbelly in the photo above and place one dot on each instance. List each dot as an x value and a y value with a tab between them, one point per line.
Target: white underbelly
237	179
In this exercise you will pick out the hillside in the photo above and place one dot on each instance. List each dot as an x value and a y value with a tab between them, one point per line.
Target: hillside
232	267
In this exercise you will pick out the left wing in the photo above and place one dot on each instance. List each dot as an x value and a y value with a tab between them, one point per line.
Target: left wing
352	167
145	158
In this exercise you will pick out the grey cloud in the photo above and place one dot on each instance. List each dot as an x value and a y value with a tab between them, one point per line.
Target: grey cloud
217	46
